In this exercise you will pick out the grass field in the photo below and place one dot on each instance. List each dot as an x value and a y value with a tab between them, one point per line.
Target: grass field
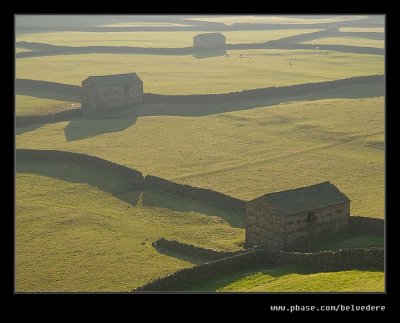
244	153
348	41
20	50
27	105
362	29
153	39
78	229
296	280
189	75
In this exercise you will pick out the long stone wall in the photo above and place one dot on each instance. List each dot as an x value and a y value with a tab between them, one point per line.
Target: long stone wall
344	259
195	193
66	92
192	250
270	92
135	176
138	181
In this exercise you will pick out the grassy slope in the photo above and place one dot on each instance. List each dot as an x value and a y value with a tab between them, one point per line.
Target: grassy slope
188	75
72	236
20	50
362	29
244	153
348	41
27	105
152	39
295	280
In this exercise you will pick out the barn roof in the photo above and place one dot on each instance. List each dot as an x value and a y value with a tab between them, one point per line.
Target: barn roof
307	198
204	35
116	79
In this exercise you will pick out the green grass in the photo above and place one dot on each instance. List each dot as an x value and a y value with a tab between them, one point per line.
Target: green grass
295	280
244	153
30	106
20	50
189	75
348	41
362	29
153	39
78	229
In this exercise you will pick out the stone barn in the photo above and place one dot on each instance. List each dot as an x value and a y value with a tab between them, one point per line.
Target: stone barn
209	41
103	93
285	220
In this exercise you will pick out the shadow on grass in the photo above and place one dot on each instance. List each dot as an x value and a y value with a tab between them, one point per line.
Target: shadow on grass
22	130
346	240
69	94
182	256
200	54
118	186
207	107
105	123
155	198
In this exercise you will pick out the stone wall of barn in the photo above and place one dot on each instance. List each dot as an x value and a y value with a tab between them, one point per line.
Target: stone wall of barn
305	227
89	100
100	99
208	42
264	225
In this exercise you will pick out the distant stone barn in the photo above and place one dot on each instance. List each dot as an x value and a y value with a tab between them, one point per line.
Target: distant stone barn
288	219
103	93
209	41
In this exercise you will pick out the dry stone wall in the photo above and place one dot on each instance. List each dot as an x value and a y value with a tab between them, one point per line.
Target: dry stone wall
344	259
195	193
192	250
135	176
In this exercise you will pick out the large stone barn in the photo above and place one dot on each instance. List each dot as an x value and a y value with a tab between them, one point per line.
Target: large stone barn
102	93
289	219
209	41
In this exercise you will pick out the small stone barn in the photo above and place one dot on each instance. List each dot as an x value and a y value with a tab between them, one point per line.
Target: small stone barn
102	93
288	219
209	41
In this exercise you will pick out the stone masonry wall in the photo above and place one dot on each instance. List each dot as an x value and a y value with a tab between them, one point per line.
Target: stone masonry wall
324	261
264	225
135	176
305	227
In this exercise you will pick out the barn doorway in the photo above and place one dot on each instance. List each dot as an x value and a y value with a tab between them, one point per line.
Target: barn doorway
310	218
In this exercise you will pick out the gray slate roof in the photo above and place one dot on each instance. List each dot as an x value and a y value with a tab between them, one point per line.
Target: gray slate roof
117	79
206	35
307	198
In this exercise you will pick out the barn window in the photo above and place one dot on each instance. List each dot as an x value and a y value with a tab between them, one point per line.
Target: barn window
310	217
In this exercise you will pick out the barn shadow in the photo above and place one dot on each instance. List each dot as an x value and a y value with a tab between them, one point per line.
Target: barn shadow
87	127
208	53
157	198
117	186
